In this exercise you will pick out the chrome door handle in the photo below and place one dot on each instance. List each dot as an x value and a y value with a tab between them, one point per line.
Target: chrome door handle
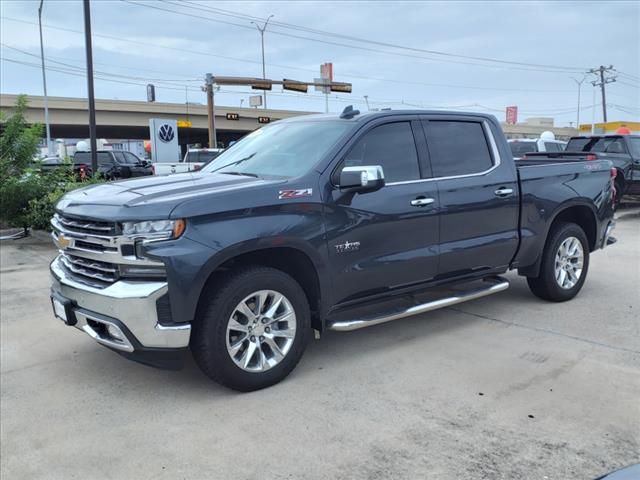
503	192
421	202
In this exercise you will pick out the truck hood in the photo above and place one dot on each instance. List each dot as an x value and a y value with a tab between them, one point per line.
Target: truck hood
151	197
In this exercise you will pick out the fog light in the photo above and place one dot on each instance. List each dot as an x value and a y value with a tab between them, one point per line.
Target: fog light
115	332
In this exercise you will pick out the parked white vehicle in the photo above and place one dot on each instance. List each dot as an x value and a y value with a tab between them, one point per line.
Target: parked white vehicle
194	159
546	143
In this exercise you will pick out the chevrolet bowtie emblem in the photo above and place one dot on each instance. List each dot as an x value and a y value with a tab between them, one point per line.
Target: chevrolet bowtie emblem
63	242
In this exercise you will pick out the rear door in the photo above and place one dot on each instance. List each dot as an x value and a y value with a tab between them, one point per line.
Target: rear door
479	204
383	240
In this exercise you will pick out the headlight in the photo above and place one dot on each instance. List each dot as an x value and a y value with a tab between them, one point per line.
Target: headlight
154	229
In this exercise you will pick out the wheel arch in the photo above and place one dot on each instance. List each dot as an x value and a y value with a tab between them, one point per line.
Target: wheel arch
296	261
583	215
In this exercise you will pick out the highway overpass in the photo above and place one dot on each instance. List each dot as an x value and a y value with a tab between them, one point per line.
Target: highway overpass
127	119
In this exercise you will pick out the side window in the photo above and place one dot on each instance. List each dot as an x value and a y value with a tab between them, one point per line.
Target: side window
552	147
391	146
130	158
104	159
457	148
119	157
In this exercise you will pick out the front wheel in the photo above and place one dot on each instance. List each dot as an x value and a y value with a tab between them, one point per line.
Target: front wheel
252	330
565	262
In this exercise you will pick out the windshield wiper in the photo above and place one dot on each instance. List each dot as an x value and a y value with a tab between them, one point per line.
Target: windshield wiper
233	163
240	173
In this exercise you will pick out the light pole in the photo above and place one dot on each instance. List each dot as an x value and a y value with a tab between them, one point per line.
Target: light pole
366	99
579	82
44	82
264	75
86	6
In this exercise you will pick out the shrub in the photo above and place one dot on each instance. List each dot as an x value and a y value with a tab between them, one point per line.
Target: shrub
28	196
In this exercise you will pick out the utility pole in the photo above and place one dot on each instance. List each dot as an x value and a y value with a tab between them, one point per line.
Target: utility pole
600	71
579	83
264	74
366	99
213	143
44	83
90	92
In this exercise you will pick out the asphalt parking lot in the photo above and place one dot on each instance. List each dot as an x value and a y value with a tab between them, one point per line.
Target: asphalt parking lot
505	387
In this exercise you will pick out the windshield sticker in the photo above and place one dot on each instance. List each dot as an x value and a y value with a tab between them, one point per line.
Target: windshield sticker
287	194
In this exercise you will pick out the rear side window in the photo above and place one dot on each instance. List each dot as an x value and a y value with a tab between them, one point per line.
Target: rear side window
596	144
391	146
457	148
104	158
201	157
552	147
519	149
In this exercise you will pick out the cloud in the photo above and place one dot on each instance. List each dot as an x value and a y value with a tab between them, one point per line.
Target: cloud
582	34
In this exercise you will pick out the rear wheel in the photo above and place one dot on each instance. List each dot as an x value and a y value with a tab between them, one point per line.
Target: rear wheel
565	262
252	331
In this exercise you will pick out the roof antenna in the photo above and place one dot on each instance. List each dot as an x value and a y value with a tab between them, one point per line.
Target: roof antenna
349	112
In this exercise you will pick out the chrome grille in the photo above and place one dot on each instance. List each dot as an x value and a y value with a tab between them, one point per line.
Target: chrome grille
89	227
95	252
94	270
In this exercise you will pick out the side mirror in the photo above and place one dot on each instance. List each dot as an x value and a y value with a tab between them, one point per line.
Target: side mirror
362	179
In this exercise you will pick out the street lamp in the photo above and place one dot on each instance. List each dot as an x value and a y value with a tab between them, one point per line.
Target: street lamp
44	82
264	75
579	83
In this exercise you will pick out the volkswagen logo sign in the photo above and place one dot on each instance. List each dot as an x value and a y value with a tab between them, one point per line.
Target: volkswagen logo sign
166	133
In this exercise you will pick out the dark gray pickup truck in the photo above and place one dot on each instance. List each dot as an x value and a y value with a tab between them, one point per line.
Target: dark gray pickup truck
623	151
320	222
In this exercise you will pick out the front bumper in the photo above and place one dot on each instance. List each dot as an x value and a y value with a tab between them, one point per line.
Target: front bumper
123	317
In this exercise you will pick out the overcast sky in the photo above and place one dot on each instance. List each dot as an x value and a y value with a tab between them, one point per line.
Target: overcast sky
173	45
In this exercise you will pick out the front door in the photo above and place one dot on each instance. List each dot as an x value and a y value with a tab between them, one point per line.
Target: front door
387	239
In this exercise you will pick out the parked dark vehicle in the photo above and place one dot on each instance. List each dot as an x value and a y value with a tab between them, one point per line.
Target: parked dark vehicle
112	164
320	222
623	151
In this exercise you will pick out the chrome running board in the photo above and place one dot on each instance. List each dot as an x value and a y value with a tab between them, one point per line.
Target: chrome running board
494	285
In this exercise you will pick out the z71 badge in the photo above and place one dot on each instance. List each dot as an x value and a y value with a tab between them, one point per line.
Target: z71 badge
287	194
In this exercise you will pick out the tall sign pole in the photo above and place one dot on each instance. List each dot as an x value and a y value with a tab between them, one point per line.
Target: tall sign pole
213	143
44	83
90	92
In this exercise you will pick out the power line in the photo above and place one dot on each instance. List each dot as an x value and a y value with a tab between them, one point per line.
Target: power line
384	52
288	67
220	11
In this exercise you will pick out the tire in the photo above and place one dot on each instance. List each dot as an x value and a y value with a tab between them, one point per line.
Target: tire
546	285
214	335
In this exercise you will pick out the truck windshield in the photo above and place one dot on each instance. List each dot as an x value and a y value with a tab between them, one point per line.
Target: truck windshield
518	149
280	150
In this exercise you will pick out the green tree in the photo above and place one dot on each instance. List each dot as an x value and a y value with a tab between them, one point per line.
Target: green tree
18	141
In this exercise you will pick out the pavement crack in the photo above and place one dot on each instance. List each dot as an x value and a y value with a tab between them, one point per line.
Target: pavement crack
548	331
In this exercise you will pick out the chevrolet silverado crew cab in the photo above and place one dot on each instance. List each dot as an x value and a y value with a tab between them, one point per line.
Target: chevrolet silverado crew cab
320	222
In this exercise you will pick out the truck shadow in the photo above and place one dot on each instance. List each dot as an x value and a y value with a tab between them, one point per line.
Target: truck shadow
333	351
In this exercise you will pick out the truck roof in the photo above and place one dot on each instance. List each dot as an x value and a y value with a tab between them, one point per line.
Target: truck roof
366	116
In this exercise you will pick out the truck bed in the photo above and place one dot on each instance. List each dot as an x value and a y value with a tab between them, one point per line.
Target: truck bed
543	181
